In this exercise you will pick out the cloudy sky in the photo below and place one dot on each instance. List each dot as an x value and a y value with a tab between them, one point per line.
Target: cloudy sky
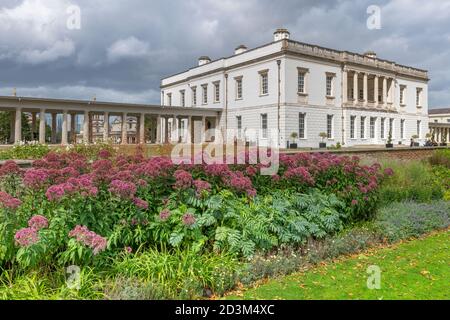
124	47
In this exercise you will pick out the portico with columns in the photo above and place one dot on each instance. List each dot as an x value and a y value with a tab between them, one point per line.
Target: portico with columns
150	123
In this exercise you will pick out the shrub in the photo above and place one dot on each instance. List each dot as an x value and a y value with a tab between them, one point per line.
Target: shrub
25	151
412	180
440	158
408	219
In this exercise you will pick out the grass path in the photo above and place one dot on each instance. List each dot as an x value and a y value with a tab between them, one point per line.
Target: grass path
418	269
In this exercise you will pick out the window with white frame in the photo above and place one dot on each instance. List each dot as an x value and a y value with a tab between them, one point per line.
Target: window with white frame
373	121
363	127
301	83
217	91
238	88
361	94
205	94
419	129
194	96
382	128
391	127
402	94
329	85
264	82
302	125
169	99
418	97
182	98
402	128
239	126
352	127
264	125
330	126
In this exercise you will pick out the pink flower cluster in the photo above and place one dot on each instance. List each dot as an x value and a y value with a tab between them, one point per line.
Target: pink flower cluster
165	214
123	189
38	222
240	183
8	201
89	238
142	204
202	187
28	236
188	219
82	185
183	179
10	167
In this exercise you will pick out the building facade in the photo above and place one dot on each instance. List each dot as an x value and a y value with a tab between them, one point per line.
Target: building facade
440	125
305	91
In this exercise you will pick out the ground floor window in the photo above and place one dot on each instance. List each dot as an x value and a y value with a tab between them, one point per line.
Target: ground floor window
301	125
352	127
419	124
330	126
363	127
402	128
239	126
372	127
382	133
264	126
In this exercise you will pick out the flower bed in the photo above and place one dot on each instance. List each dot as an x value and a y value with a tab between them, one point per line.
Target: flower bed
67	210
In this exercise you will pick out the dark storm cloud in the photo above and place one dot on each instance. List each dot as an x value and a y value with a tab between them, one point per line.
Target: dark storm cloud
124	47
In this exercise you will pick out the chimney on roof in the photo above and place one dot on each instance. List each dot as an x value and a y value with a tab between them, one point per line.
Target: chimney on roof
203	60
281	34
371	54
240	49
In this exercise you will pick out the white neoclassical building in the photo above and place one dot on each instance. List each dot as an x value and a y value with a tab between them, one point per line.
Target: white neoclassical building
293	87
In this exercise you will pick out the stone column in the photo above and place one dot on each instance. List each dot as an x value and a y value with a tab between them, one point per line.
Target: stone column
166	130
375	89
142	129
189	130
384	91
53	138
365	88
124	139
33	126
158	130
174	134
18	126
64	137
355	88
42	126
203	132
344	87
105	126
86	127
73	134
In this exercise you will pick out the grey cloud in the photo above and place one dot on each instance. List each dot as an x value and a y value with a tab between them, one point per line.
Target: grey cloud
126	46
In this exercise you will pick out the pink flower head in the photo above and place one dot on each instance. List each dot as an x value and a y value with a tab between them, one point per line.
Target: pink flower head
188	219
38	222
388	172
183	179
140	203
35	178
10	167
165	214
128	250
9	202
354	202
89	238
123	189
202	187
104	154
26	237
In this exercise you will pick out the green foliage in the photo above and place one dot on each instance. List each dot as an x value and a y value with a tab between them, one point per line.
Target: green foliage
409	219
5	127
91	151
412	180
25	152
181	274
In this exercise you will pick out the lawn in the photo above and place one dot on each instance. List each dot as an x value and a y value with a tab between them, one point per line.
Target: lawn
418	269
